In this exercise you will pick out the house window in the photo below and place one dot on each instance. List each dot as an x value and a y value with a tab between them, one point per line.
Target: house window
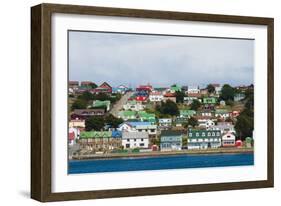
203	134
135	140
128	140
209	134
142	139
141	144
213	134
197	134
218	134
190	134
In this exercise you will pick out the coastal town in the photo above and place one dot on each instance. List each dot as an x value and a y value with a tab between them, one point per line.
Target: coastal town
109	121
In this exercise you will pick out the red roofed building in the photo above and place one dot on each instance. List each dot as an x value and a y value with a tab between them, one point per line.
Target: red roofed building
141	98
147	88
170	96
103	88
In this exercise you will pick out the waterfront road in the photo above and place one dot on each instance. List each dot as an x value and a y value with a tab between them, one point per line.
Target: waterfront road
119	105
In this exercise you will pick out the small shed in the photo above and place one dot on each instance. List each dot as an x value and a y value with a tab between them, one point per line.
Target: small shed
238	143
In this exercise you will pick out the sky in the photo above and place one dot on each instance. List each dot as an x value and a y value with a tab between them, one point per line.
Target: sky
134	59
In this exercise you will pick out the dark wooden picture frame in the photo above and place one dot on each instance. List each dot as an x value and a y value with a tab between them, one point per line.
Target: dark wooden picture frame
41	95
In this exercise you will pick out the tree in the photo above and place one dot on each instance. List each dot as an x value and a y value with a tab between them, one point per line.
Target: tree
227	92
211	89
94	123
87	96
195	105
79	104
180	96
245	121
113	121
192	122
244	126
169	108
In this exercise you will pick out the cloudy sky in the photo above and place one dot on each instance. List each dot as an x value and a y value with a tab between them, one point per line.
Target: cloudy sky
159	60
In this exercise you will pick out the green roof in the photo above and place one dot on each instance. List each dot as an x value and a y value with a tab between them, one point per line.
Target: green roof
221	111
176	88
95	134
99	103
127	113
187	112
209	100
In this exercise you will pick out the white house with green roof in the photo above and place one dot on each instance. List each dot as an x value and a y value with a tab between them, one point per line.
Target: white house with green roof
100	104
147	117
203	139
175	88
187	113
209	100
127	115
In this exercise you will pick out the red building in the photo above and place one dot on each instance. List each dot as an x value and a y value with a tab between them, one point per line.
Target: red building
146	88
103	88
141	98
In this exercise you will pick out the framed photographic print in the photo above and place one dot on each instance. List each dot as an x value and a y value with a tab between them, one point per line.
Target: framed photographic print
130	102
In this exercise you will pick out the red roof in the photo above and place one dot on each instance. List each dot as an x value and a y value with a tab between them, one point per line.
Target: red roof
105	85
71	135
141	98
169	95
73	82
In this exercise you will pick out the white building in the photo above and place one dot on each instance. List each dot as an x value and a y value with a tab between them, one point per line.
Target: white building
131	140
165	122
228	140
193	90
156	96
134	106
205	122
224	127
138	127
77	123
189	100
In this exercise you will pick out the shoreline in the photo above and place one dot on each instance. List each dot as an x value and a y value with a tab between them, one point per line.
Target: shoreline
159	154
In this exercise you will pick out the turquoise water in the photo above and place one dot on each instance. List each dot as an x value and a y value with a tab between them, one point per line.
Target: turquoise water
158	163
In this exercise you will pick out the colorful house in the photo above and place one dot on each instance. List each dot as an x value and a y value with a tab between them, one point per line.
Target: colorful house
156	96
103	88
170	96
209	100
228	140
203	139
77	123
100	141
170	140
205	113
131	140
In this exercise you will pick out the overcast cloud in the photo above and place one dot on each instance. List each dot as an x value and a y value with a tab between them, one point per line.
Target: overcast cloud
159	60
